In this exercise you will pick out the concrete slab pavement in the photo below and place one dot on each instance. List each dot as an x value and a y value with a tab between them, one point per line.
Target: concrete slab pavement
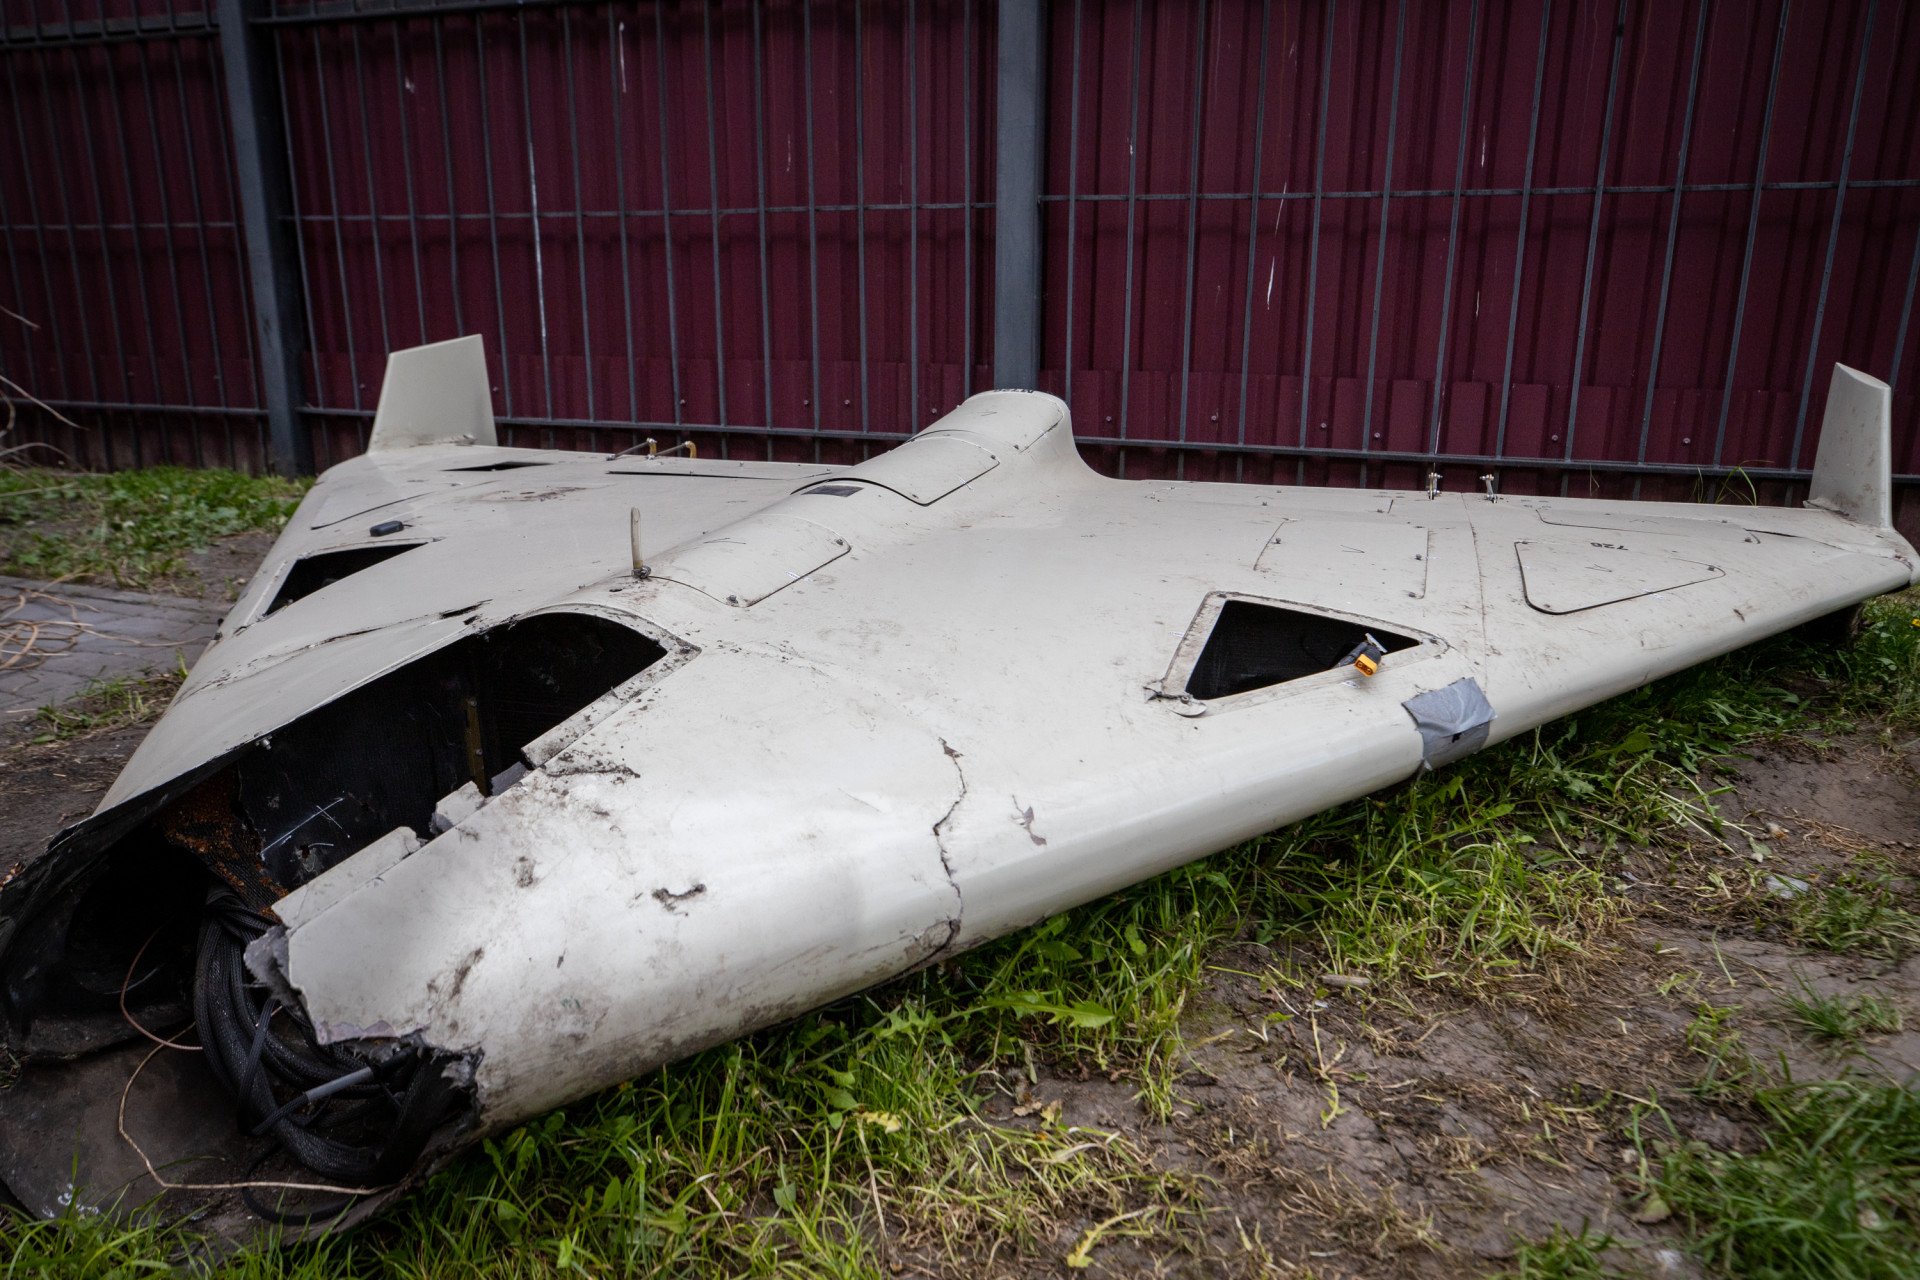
57	638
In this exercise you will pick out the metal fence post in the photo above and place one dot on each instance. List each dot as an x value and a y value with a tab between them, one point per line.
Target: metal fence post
266	217
1019	144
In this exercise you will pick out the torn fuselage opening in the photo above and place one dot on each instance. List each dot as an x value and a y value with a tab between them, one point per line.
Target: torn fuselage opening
321	788
155	926
1252	646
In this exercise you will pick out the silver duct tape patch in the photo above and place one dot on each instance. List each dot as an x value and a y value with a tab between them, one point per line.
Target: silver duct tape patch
1453	721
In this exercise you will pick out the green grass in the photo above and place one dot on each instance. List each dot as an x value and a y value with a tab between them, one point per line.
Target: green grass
1564	1255
1833	1192
767	1156
858	1138
105	705
129	528
1842	1020
1856	911
1729	1070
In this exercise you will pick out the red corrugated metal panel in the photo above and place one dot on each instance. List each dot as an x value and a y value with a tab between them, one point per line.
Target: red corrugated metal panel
124	270
1343	229
592	122
1297	297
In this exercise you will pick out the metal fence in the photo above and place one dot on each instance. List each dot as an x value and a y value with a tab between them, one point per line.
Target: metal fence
1614	244
126	301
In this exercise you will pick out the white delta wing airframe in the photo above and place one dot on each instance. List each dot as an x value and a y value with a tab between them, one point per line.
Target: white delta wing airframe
516	773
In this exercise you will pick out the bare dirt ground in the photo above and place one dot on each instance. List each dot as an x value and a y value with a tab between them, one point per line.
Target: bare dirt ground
1424	1135
220	571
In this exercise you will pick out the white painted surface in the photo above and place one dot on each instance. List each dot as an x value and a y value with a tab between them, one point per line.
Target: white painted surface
957	723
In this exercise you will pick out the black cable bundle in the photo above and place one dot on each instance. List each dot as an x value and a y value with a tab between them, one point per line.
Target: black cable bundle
344	1118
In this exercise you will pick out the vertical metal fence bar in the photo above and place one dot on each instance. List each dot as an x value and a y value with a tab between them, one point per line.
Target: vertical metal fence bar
23	375
446	155
289	218
333	208
163	164
1133	203
579	200
493	207
219	150
373	204
1519	237
18	296
133	211
813	230
760	198
192	185
106	271
967	214
400	81
220	391
1593	236
222	149
1193	226
713	217
1833	233
1313	238
29	327
1380	249
860	192
1673	236
533	223
1753	230
617	100
264	199
161	167
1020	123
1453	232
1253	232
913	220
1906	313
666	214
1073	193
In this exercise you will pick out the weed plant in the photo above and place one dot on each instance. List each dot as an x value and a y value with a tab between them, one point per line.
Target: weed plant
1856	911
106	705
1565	1255
1842	1020
129	528
1834	1190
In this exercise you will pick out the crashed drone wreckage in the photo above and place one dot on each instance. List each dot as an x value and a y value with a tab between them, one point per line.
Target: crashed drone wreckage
517	773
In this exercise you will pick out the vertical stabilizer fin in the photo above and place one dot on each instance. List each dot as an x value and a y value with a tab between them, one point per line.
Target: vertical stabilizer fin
436	394
1853	470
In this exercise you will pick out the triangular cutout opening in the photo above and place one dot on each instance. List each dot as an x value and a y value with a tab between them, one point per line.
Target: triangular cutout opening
310	573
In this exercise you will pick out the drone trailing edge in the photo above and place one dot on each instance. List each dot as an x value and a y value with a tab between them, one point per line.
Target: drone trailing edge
516	773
